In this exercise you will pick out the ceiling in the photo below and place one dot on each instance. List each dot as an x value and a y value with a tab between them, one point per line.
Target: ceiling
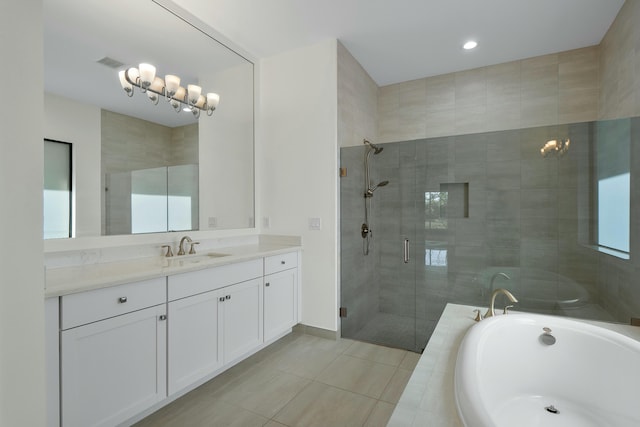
401	40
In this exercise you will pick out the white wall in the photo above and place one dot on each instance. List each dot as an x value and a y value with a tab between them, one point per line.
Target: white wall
299	172
22	377
71	121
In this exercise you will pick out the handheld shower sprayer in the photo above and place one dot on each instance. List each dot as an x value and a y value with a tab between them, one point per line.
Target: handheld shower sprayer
369	192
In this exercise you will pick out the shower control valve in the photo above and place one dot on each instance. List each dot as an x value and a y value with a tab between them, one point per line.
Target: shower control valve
365	231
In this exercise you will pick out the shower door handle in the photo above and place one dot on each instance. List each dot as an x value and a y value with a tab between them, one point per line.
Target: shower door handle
406	251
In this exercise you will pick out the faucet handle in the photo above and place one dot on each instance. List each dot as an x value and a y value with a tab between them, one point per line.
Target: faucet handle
192	250
478	315
506	309
169	251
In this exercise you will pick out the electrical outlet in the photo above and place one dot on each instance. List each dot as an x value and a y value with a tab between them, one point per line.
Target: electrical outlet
266	222
315	224
213	222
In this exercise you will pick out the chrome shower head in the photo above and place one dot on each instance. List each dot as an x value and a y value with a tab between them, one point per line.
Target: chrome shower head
376	149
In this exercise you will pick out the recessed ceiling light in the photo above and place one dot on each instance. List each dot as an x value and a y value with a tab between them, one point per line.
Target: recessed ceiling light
470	45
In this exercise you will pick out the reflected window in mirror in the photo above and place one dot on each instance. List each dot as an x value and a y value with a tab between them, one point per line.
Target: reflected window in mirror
613	190
57	197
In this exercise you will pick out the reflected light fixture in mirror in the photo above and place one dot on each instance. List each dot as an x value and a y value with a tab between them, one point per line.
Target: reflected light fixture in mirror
555	147
144	77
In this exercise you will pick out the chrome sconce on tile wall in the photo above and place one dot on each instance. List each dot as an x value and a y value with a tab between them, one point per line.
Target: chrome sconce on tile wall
181	99
555	147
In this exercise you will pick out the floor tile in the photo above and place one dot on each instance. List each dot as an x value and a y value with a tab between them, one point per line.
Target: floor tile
358	375
394	389
307	357
299	381
376	353
380	415
320	405
206	414
264	393
410	360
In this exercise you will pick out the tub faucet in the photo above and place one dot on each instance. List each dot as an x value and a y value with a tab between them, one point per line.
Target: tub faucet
181	247
491	312
495	276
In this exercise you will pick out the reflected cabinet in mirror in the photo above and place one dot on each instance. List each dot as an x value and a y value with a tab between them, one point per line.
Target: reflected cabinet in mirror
143	165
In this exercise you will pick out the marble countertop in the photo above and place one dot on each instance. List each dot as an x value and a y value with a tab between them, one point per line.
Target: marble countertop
428	399
68	280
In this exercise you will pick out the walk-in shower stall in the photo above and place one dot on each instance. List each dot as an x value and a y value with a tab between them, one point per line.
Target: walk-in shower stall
526	210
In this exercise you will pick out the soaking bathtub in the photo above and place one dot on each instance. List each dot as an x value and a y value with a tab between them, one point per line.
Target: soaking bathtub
529	370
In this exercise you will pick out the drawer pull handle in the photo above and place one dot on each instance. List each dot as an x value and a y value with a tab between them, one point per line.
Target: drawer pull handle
282	262
122	300
163	317
267	284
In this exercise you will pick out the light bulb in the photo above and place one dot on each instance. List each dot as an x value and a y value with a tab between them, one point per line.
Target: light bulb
213	99
201	101
128	87
147	74
194	93
157	85
172	84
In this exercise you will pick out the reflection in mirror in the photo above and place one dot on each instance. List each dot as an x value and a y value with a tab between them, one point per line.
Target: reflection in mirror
116	138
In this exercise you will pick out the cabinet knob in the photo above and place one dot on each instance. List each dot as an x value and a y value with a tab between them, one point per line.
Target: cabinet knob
221	299
282	262
227	297
163	317
267	284
122	300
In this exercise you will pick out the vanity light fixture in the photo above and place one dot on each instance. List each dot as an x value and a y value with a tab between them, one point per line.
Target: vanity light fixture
555	147
470	45
189	99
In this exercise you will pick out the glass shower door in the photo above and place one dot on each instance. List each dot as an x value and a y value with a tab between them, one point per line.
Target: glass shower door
378	290
395	215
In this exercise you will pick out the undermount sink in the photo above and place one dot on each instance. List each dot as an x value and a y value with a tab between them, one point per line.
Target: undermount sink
195	259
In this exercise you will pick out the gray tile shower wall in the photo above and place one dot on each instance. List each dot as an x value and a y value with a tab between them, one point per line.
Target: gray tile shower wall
531	217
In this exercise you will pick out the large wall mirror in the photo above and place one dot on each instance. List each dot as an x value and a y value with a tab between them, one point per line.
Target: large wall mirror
140	167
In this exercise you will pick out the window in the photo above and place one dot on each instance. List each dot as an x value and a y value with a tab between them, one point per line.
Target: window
613	185
57	190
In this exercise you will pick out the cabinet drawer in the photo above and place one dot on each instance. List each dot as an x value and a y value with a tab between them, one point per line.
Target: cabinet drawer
196	282
275	263
86	307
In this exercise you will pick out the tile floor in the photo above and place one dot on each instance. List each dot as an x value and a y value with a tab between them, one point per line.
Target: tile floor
300	380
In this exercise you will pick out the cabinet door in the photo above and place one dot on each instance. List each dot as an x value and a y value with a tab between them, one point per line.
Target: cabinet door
113	369
194	343
280	302
241	309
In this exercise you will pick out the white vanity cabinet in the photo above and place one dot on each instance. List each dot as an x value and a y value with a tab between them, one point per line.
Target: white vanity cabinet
215	316
129	349
113	353
280	294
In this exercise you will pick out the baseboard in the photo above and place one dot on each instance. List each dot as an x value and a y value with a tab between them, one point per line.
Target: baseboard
316	332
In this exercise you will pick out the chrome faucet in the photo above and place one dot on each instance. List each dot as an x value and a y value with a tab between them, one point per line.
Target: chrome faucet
491	311
181	247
